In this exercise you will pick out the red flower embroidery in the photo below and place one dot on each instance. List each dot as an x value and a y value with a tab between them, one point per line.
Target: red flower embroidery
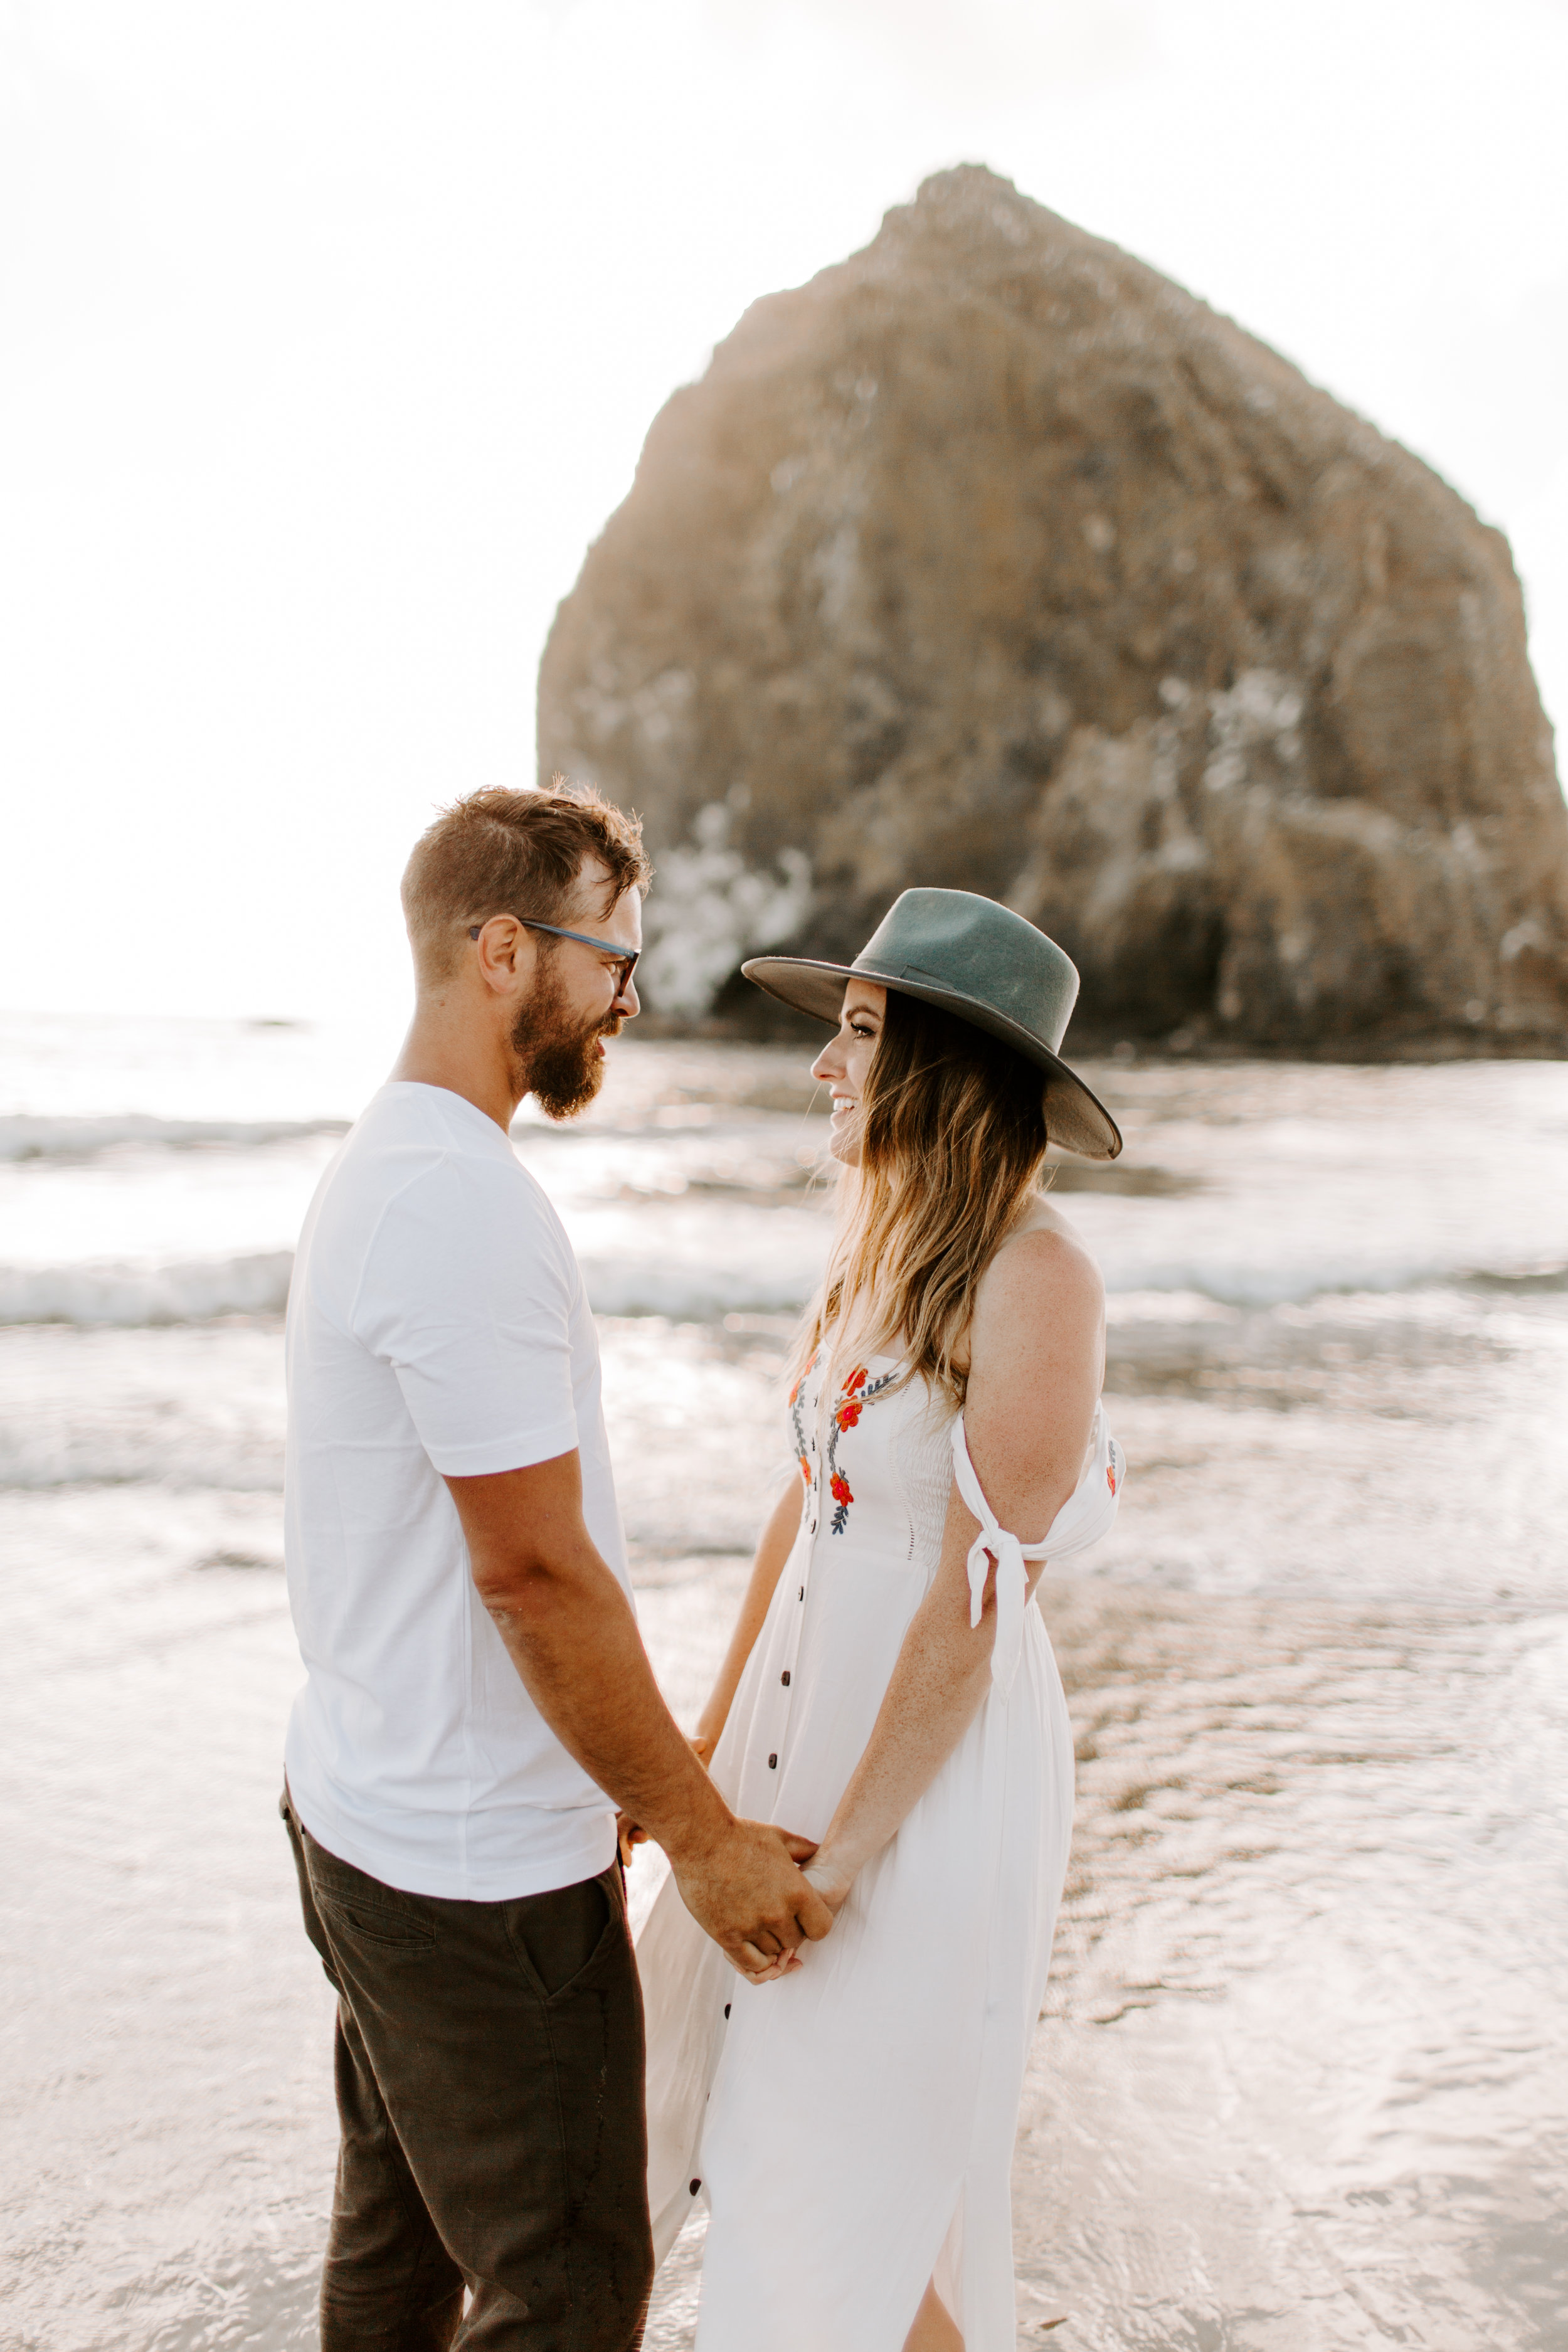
857	1392
847	1411
1111	1475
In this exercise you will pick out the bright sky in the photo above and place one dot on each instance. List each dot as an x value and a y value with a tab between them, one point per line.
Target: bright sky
332	329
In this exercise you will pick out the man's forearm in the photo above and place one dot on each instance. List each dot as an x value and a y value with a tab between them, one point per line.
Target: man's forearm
569	1632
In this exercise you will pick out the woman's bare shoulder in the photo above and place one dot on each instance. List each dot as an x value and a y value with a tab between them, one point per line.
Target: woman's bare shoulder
1042	1286
1043	1250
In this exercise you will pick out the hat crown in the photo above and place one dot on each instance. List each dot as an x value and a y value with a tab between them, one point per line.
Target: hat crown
956	939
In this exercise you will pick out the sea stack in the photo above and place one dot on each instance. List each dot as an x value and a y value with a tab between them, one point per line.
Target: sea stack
992	559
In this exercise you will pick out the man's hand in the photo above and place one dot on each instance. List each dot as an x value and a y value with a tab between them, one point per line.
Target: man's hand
832	1881
743	1887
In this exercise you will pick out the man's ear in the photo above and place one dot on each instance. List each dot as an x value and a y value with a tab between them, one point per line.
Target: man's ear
503	954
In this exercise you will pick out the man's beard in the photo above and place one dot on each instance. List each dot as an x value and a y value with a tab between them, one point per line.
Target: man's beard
562	1067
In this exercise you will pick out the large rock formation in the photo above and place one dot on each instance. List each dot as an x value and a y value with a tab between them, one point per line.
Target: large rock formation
992	559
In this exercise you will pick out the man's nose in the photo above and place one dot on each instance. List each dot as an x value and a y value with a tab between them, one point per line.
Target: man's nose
626	999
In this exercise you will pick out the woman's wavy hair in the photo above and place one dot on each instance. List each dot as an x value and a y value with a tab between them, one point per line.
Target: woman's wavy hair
952	1139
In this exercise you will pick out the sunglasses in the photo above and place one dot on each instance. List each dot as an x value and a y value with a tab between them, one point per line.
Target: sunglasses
625	958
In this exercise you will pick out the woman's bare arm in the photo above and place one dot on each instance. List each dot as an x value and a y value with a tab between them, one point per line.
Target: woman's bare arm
1037	1356
777	1541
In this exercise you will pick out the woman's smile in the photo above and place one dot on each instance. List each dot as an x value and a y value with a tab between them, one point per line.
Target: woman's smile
844	1127
846	1060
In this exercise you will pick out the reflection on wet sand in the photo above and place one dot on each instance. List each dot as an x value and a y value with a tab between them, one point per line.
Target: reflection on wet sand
1299	2084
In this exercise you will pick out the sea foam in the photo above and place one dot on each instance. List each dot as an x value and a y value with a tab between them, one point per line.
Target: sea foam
24	1138
189	1290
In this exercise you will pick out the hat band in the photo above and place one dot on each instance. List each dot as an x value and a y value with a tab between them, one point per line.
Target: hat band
902	971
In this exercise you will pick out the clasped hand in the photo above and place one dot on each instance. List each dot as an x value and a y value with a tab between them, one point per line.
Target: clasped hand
832	1883
758	1891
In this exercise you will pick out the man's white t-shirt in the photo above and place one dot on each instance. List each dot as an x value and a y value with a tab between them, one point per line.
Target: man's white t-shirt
436	1324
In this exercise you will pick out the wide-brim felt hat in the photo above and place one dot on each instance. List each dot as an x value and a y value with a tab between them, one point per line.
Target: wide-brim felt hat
981	962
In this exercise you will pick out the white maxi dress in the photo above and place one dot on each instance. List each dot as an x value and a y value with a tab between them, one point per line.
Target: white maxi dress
852	2125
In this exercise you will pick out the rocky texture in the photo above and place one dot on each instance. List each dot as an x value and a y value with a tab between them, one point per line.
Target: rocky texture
990	558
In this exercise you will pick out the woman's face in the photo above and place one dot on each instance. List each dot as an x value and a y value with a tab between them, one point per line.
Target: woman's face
845	1064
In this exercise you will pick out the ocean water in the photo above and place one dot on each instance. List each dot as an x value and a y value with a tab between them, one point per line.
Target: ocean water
1299	2084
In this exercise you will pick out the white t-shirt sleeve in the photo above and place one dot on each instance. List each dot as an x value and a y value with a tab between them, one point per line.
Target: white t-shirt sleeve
467	1293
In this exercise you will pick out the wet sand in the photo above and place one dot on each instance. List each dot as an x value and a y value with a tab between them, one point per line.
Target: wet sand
1297	2085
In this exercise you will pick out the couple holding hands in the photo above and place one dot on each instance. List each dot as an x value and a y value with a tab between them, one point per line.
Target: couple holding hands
823	2029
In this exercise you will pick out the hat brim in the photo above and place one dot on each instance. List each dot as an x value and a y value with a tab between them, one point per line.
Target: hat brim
1075	1119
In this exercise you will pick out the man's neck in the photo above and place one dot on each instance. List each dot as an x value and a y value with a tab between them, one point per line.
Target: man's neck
443	1051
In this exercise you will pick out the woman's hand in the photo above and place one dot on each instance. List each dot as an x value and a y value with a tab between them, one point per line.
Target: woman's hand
629	1835
831	1878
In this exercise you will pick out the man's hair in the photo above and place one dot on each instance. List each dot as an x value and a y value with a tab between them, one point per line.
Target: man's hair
501	853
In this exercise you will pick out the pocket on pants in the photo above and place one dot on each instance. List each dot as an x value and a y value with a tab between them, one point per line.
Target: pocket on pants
361	1909
558	1938
371	1924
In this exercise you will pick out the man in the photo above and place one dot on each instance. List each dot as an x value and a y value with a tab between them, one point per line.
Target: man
478	1701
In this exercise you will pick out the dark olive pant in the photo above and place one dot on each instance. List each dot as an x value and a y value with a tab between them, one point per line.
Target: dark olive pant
489	2085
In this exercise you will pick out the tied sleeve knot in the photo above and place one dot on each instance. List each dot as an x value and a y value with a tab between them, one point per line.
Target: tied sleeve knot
995	1543
1086	1516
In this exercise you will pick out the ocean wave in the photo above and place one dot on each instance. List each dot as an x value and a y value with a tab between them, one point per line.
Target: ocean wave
694	1294
188	1290
201	1291
27	1137
1263	1285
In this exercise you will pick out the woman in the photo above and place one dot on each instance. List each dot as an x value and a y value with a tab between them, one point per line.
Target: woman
850	2112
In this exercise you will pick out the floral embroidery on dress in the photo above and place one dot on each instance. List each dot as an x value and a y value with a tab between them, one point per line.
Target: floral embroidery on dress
797	1420
853	1397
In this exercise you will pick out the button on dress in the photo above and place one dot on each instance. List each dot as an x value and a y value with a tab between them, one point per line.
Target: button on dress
852	2124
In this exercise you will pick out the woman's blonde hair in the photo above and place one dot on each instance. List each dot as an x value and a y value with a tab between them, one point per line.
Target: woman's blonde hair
953	1139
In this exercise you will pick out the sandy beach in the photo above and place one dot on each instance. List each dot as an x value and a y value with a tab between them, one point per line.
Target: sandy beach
1295	2087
